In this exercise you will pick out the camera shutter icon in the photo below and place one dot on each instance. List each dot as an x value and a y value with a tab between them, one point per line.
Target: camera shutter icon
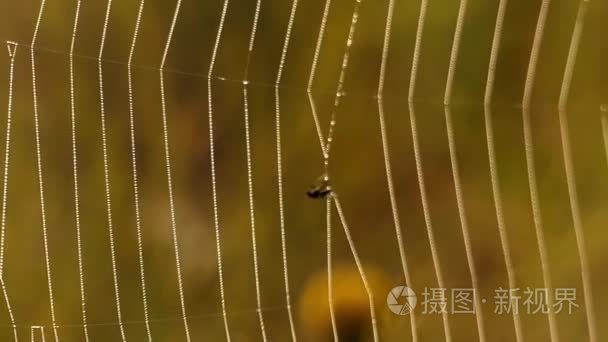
401	300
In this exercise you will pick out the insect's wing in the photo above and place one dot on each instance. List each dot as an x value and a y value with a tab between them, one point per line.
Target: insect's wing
313	193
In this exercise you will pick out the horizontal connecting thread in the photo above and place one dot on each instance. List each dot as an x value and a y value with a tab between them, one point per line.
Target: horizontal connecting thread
252	83
159	320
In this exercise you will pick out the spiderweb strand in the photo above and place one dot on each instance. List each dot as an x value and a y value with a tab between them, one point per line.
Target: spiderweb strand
198	317
286	41
252	215
419	168
176	251
604	110
106	173
203	76
417	48
535	52
313	108
496	40
326	147
140	246
536	212
40	177
218	243
531	169
464	225
292	14
340	89
254	30
496	193
572	54
578	225
455	52
12	51
570	175
427	214
353	249
385	148
41	332
330	274
256	271
83	304
313	71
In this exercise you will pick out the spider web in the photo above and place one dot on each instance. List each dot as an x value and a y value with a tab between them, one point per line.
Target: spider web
216	272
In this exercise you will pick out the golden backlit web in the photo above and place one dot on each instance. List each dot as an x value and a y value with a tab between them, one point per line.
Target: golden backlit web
326	121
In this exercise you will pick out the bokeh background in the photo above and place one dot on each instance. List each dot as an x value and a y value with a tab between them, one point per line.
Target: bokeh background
357	167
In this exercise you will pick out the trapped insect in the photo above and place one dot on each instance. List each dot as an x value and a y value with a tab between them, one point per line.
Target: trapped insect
320	188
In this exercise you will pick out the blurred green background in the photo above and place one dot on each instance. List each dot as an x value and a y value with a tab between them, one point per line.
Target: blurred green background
357	166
